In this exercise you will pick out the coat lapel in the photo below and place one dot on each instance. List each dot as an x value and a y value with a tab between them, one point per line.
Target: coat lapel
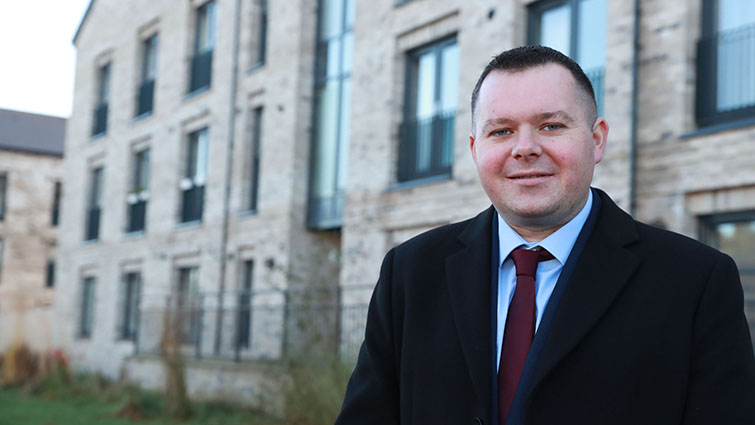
600	273
468	280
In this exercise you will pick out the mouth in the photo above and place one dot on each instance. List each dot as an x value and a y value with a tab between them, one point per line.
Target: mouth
529	176
526	176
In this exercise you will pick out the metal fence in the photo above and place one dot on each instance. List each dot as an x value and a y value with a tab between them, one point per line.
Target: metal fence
255	325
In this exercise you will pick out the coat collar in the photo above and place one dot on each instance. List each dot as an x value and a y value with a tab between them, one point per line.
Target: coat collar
601	271
468	274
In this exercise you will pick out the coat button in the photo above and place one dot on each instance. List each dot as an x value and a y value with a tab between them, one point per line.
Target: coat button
477	421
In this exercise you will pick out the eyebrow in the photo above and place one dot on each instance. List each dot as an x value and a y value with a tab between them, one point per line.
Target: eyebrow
503	121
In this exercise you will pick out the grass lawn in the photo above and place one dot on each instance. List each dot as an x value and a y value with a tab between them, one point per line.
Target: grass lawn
19	409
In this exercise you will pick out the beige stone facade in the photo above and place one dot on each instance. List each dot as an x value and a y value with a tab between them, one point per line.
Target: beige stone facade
28	233
682	173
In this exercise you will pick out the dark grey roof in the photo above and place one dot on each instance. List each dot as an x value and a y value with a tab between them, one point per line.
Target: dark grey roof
27	132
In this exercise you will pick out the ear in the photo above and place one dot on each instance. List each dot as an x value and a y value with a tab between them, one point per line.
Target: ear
471	148
599	138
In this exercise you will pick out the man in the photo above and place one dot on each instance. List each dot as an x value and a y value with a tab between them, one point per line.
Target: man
623	324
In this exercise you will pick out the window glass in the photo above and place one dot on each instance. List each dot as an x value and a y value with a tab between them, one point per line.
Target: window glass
205	27
555	29
3	190
327	146
735	13
592	34
331	18
449	80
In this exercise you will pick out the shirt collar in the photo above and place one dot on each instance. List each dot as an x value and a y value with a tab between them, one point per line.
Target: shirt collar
558	243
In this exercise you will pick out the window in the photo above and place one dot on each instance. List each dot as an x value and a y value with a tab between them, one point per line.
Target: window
94	205
99	125
426	147
734	234
726	62
192	185
259	44
146	93
204	43
139	194
56	194
130	296
50	280
2	253
86	308
3	193
244	318
335	45
254	155
576	28
188	304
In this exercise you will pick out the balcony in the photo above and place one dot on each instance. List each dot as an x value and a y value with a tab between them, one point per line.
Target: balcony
136	213
92	230
146	95
427	147
99	124
726	76
201	71
193	200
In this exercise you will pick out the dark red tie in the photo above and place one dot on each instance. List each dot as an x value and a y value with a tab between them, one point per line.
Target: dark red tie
520	327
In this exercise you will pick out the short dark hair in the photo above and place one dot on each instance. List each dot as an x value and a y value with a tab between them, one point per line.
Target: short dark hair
527	57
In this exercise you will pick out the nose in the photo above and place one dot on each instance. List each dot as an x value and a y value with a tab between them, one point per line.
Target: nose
526	145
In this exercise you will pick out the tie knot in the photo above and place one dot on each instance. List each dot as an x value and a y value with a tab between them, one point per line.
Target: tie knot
525	260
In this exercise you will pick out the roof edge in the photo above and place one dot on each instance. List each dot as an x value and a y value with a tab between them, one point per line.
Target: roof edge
81	23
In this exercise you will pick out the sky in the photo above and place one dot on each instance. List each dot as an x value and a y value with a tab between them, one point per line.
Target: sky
37	57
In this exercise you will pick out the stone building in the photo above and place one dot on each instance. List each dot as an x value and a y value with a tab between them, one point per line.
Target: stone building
254	155
31	171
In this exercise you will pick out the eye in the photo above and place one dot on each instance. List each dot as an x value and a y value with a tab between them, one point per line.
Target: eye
500	132
552	127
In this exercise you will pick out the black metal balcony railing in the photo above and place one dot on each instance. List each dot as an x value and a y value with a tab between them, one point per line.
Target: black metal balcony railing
136	214
726	76
325	212
193	200
201	71
426	147
92	224
99	121
595	75
146	95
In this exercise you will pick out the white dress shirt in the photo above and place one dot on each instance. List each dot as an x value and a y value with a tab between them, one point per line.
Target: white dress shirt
558	243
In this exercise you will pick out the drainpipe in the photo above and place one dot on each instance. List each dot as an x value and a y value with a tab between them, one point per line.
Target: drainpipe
633	118
228	175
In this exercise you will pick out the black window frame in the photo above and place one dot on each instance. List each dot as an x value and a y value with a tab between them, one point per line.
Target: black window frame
706	111
130	303
534	16
441	126
145	95
94	204
87	308
325	212
102	97
254	158
57	193
244	307
259	46
138	196
193	190
50	274
200	75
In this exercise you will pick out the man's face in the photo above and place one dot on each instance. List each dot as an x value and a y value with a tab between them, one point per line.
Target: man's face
534	149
